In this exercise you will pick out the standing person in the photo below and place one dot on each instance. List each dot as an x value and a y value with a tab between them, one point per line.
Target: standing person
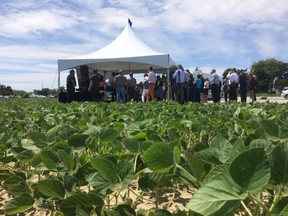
198	88
101	88
226	89
111	86
243	86
205	90
214	84
145	87
159	91
180	78
252	84
186	86
120	82
94	86
131	86
233	84
152	80
70	85
191	87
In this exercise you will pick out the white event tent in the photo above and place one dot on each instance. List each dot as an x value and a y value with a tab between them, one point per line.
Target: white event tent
127	52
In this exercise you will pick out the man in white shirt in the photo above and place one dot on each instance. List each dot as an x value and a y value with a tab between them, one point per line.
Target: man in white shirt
233	79
152	80
180	80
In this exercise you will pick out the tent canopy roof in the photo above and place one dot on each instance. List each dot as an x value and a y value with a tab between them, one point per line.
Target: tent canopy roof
127	52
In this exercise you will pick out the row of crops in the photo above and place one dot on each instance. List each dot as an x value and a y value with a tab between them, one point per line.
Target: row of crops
74	159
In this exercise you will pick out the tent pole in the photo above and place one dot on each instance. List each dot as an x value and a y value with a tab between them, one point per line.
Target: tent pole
58	81
168	80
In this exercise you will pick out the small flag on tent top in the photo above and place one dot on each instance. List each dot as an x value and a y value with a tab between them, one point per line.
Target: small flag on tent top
130	23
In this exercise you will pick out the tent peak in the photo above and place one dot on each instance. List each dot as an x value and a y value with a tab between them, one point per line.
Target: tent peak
130	22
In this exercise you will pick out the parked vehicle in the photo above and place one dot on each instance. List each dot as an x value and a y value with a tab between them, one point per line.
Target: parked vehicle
285	93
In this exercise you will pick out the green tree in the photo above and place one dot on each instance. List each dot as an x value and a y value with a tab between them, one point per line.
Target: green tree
45	91
5	90
20	92
270	74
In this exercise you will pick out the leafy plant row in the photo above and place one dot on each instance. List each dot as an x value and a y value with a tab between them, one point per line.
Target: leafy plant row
88	158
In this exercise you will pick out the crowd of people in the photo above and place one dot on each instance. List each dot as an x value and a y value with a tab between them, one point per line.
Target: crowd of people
184	87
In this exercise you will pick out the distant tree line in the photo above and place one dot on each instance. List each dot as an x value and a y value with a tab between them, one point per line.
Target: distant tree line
7	90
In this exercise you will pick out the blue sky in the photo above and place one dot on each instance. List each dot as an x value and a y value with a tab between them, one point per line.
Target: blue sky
206	34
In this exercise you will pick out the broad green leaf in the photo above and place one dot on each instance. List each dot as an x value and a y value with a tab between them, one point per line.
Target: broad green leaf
260	143
40	140
16	184
279	163
153	135
97	201
131	144
70	204
172	134
108	135
49	158
270	127
177	125
19	204
78	140
101	185
126	173
26	155
197	167
144	145
217	197
50	119
14	179
106	169
52	133
52	188
141	136
209	155
36	160
223	145
84	210
4	174
251	170
145	183
85	170
29	145
67	159
125	210
69	182
159	157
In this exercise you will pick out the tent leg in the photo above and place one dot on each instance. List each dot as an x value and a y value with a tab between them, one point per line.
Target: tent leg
58	81
168	80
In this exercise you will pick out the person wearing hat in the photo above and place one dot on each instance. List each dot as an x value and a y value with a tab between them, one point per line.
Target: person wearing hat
180	80
70	85
131	86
